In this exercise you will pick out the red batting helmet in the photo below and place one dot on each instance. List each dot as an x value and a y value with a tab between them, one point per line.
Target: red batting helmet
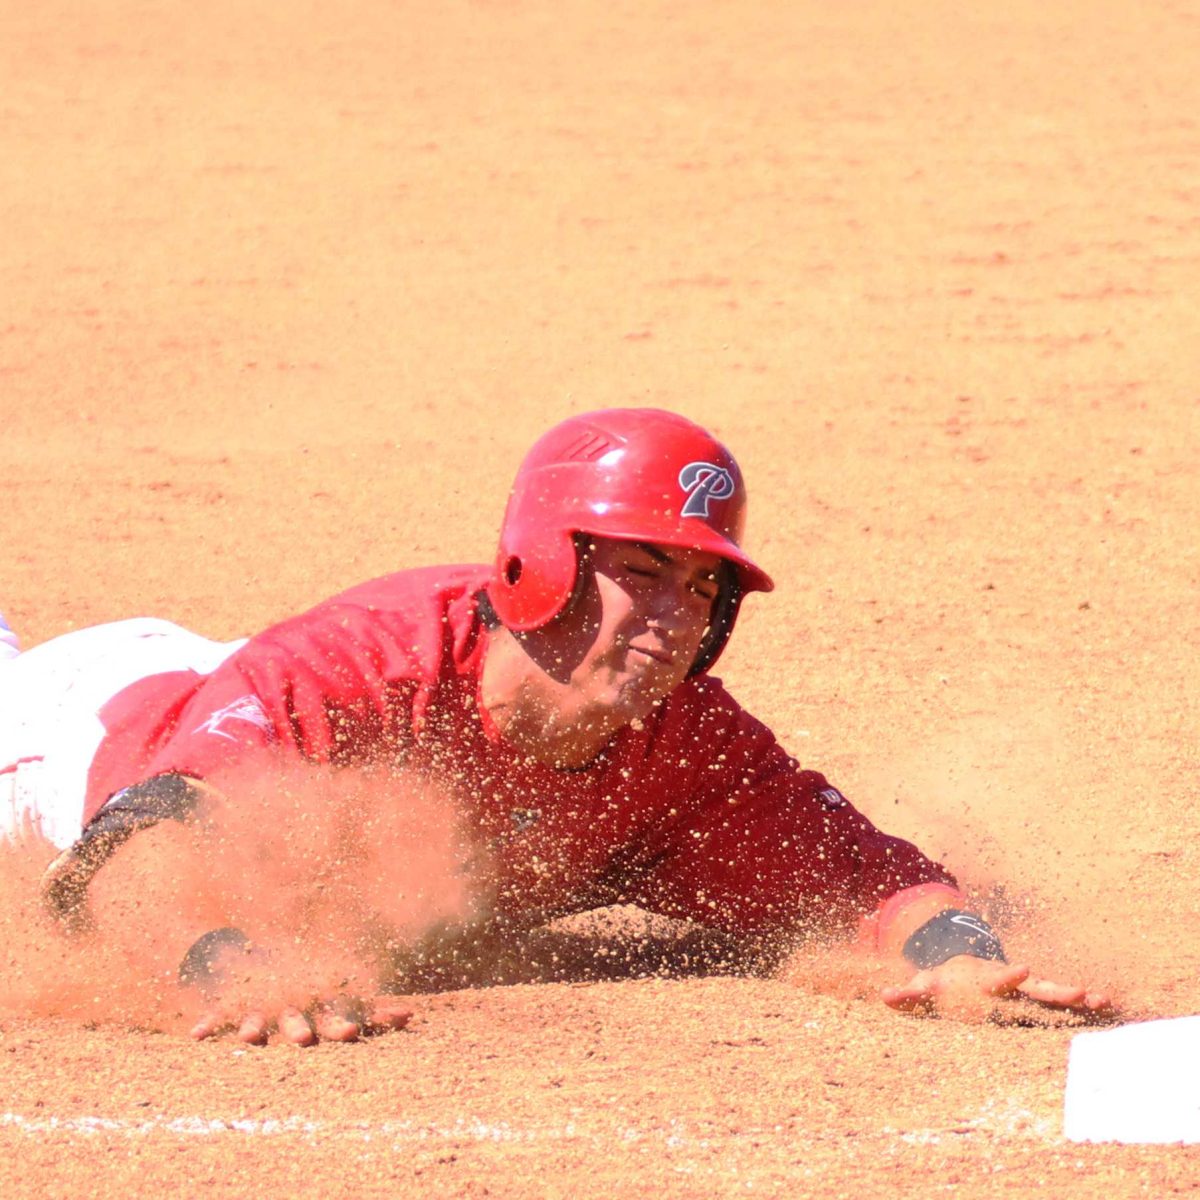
636	474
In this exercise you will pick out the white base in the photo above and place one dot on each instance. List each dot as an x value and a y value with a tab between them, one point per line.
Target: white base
1137	1083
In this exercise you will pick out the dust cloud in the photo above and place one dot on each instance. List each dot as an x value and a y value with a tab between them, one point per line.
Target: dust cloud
329	875
989	802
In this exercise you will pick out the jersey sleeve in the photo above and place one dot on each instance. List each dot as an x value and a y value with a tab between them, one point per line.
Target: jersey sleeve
754	844
333	686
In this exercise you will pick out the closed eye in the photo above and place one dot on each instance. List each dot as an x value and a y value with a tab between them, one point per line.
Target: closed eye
707	588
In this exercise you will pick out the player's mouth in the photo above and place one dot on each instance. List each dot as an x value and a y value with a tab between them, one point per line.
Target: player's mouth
657	653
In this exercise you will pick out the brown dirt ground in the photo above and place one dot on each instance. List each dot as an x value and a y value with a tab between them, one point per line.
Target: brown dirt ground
289	288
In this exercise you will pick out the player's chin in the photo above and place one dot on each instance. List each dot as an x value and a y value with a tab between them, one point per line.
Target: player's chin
636	700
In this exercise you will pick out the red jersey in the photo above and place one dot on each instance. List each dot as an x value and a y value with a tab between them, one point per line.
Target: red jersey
697	813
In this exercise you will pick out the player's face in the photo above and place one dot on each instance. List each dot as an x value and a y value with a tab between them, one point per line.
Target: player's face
636	624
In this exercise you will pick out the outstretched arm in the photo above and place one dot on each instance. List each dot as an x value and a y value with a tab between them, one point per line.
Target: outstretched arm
779	850
221	968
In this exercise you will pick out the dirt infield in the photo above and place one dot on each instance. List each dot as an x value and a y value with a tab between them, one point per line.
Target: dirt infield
290	288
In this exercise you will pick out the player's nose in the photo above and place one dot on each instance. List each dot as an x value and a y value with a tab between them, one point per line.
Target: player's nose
669	609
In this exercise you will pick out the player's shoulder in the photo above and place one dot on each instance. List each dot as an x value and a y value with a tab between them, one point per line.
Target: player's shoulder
412	624
702	693
702	713
417	588
422	603
702	710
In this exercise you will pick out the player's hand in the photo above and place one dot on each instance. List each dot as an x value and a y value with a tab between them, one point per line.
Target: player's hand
343	1020
221	964
971	989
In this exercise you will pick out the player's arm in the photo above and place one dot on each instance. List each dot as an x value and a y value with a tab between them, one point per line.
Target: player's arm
764	849
218	960
166	797
784	864
258	707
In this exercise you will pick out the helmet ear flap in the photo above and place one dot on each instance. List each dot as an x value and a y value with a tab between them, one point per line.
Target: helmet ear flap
533	579
583	559
724	614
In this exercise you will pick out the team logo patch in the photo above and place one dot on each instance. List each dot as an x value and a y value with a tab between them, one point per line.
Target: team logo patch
704	482
248	708
831	798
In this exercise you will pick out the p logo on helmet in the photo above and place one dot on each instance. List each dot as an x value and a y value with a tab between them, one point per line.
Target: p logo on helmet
704	482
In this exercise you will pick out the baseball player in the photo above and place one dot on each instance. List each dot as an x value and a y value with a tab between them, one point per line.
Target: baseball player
567	692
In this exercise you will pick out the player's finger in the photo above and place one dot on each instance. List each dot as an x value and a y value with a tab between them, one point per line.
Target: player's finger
386	1017
208	1026
1057	995
334	1028
1077	999
1007	979
294	1027
254	1029
911	998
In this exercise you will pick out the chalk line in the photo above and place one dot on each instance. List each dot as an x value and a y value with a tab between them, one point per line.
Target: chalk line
1008	1122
